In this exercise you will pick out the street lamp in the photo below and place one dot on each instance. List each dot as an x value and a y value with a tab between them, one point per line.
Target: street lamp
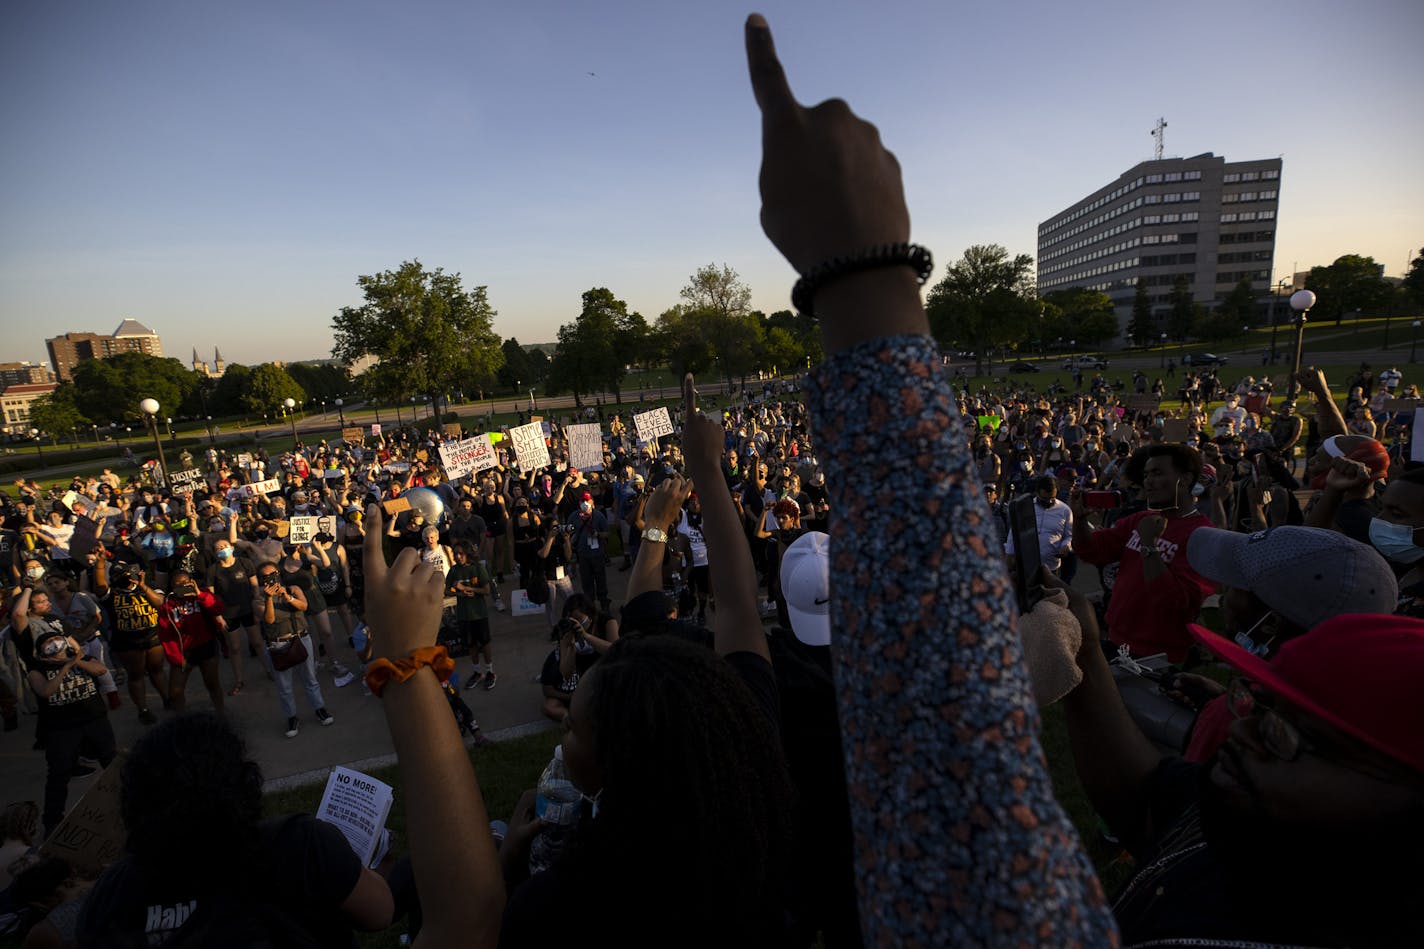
1301	301
1414	340
211	440
291	404
35	434
150	410
1163	362
1278	289
341	414
172	437
1245	338
323	408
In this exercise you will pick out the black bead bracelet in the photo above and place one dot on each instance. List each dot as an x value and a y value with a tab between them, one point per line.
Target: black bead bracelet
913	256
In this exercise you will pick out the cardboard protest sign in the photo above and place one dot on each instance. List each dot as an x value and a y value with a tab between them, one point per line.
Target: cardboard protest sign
305	527
92	835
1174	430
586	447
1393	406
260	487
84	538
496	437
422	455
468	456
186	480
453	428
1141	403
375	428
396	505
352	435
245	459
653	423
529	446
283	529
69	498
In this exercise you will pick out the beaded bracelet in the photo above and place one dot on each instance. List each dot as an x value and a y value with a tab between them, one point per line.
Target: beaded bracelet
382	671
917	258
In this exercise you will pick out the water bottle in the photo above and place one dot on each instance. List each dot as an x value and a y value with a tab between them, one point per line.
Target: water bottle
557	804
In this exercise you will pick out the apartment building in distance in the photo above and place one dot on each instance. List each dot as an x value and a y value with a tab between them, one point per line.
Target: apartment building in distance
1204	218
69	350
24	373
15	403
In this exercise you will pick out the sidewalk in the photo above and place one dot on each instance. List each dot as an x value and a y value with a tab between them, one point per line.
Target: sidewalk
359	732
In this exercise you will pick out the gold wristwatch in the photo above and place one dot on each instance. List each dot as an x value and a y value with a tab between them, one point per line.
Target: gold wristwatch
656	535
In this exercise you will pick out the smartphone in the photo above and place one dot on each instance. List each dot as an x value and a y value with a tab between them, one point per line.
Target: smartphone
1028	565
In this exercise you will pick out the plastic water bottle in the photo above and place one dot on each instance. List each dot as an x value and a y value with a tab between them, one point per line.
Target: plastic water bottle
557	804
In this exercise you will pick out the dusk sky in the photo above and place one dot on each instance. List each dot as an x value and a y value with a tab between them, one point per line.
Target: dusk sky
224	172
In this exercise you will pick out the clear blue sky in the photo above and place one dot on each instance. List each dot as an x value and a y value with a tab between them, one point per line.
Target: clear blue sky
223	172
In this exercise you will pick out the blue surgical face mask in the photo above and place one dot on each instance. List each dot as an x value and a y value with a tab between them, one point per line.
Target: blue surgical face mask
1395	541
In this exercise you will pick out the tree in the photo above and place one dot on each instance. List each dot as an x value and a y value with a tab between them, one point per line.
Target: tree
430	334
1079	314
1413	283
1183	314
57	413
718	291
518	368
684	342
269	386
984	300
588	358
1141	329
111	389
1352	283
227	395
324	380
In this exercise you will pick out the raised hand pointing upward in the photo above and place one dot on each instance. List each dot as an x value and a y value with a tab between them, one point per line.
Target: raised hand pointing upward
828	189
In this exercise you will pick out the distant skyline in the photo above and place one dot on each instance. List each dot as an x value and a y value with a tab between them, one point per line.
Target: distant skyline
223	173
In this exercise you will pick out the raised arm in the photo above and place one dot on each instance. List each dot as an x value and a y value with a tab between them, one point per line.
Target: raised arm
992	858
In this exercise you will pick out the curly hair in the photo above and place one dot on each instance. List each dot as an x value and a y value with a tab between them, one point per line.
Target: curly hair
191	774
693	775
20	821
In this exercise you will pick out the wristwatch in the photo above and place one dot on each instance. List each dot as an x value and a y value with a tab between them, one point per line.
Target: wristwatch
656	535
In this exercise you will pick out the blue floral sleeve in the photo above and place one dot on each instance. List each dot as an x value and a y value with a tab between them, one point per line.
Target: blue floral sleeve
958	838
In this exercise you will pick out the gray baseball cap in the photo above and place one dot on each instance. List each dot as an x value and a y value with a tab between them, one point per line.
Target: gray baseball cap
1306	574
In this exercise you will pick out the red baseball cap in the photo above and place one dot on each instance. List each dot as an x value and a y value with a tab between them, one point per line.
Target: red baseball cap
586	496
1359	672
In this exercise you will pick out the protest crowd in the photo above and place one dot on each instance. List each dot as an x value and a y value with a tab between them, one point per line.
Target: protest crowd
816	713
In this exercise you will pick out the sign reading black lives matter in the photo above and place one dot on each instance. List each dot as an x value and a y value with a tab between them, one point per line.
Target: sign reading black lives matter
467	456
653	424
585	446
529	446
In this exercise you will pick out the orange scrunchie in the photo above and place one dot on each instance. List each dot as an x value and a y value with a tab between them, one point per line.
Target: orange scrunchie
383	671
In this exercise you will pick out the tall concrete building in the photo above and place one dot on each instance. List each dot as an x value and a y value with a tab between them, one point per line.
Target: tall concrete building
69	350
1203	218
24	373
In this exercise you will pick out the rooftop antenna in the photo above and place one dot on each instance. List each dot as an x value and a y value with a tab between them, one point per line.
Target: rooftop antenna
1157	134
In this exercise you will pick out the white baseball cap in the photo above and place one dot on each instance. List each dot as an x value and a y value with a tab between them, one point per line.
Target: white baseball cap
806	587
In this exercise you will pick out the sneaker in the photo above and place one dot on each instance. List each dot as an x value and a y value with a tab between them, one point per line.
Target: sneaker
114	701
339	668
489	681
499	605
147	717
293	725
323	716
474	680
345	679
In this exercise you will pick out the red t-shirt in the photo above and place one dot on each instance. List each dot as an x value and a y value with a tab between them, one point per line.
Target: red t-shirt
1150	618
191	619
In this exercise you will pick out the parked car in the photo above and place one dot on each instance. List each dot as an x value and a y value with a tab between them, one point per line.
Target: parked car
1085	362
1203	359
1022	366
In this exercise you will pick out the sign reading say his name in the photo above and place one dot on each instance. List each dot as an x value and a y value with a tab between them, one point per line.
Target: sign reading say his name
305	527
468	456
653	423
586	447
529	445
259	487
185	480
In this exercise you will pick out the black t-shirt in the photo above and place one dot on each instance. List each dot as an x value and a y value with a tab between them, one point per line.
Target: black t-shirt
233	585
307	871
551	676
76	702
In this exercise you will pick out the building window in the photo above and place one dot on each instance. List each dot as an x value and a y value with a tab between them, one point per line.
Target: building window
1189	215
1153	199
1230	198
1248	216
1171	218
1268	195
1154	179
1228	218
1231	178
1171	198
1250	176
1191	195
1265	215
1272	174
1172	176
1191	176
1248	196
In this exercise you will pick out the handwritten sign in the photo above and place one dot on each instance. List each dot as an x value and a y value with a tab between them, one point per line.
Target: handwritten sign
245	459
468	456
186	480
453	428
305	527
352	435
259	487
653	424
529	446
586	447
396	505
84	538
92	835
375	428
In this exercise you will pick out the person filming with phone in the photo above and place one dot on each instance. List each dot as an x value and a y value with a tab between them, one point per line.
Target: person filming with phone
1055	525
1156	593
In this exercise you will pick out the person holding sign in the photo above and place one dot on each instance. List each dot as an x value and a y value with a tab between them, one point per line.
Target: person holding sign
589	528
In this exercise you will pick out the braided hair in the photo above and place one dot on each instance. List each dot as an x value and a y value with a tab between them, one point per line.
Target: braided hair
695	812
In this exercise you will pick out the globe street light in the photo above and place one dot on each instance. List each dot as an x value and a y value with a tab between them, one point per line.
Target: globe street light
172	437
341	414
1163	362
1414	341
291	404
35	434
1301	301
211	440
150	410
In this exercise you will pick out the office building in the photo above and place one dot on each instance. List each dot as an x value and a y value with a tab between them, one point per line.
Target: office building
23	373
1203	218
15	403
68	351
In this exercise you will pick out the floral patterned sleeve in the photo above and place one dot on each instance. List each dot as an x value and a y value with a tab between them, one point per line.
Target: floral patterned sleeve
958	838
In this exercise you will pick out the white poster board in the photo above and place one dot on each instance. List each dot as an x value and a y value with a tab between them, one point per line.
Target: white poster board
1416	437
358	805
653	423
375	428
467	456
304	527
259	487
529	446
585	447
